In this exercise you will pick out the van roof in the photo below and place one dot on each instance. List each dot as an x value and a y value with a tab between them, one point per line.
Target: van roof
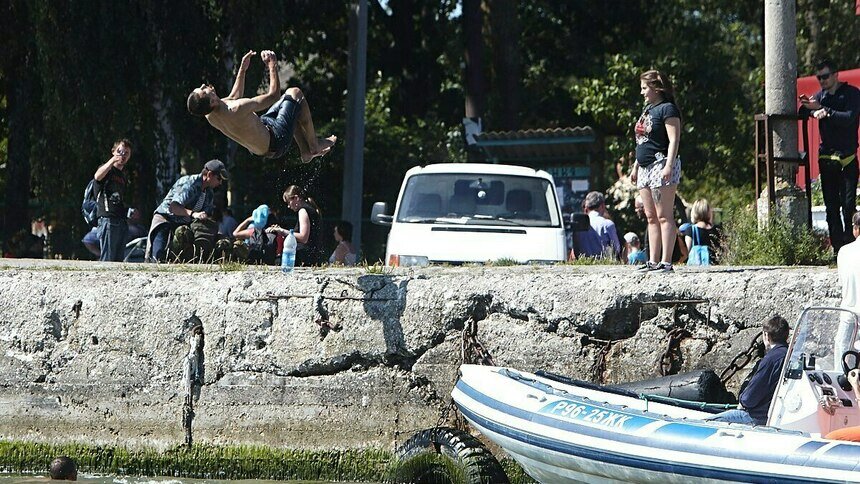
488	168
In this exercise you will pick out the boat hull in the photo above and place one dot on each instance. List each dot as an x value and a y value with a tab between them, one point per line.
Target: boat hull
561	433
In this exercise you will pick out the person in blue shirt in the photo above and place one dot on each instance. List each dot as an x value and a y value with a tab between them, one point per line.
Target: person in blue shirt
757	393
191	198
601	239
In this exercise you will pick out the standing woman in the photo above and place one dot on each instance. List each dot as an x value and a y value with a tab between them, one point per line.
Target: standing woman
308	229
657	169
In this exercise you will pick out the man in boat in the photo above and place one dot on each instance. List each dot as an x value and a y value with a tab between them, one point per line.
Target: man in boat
756	394
269	135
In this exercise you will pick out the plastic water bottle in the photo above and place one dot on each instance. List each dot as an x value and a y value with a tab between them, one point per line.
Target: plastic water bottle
288	254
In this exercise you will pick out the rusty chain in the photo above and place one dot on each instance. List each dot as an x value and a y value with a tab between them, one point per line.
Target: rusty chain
756	348
471	350
598	368
670	358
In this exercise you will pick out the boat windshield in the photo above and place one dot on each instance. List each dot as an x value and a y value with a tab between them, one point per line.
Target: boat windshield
479	199
823	334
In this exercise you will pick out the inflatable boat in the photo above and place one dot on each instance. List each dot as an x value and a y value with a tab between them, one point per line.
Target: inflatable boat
564	430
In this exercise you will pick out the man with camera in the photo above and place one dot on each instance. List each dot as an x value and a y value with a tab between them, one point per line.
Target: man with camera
111	185
837	109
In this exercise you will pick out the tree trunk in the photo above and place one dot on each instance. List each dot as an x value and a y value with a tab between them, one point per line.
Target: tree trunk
505	33
473	22
20	107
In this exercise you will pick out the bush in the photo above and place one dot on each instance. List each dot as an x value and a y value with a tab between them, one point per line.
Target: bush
778	243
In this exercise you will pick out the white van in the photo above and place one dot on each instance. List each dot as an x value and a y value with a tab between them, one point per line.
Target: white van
473	212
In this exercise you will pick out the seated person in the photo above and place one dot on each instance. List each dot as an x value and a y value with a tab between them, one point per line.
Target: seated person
344	253
757	392
262	246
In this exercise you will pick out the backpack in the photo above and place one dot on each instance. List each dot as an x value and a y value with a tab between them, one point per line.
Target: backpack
89	207
699	255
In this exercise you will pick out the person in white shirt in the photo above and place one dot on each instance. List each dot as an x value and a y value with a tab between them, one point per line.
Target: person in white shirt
848	266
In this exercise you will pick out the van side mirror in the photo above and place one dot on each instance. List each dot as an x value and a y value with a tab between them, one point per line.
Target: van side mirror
378	214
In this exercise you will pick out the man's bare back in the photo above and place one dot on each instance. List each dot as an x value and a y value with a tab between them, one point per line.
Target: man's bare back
243	127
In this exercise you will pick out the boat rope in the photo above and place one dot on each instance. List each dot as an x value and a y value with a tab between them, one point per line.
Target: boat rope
192	379
670	360
471	350
755	349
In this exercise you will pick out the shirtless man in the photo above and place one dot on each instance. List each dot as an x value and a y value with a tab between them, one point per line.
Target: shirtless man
269	135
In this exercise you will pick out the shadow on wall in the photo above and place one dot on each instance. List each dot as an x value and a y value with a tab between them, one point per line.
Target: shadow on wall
385	300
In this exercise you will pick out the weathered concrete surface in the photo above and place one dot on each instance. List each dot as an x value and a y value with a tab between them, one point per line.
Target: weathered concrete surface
112	372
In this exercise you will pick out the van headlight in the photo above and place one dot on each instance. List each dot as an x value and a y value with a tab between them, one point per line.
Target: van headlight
395	260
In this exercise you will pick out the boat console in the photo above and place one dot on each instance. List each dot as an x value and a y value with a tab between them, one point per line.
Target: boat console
814	395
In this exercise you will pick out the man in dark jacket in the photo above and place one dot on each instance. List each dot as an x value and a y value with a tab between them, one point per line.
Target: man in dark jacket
756	395
837	109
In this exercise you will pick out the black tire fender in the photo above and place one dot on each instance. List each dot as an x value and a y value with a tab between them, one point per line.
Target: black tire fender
478	463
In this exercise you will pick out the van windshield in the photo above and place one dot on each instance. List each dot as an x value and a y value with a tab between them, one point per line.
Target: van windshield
479	199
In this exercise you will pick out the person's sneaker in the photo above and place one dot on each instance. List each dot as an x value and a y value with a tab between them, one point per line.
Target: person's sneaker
664	267
647	267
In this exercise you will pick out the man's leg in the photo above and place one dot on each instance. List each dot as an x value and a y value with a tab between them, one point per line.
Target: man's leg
305	130
734	416
159	241
849	199
104	238
830	188
118	231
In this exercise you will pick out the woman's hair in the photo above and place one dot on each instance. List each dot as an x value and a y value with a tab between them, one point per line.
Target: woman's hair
297	191
344	228
701	211
660	83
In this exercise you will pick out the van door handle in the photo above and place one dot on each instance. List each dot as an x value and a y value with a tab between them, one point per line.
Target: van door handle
730	433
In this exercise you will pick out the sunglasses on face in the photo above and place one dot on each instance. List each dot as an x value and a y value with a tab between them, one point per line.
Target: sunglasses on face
824	77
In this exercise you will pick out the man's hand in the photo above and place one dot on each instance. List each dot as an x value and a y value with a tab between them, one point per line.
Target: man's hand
246	60
820	113
809	103
269	58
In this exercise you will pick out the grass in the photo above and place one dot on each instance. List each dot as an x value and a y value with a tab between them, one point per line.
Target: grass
234	462
777	243
202	462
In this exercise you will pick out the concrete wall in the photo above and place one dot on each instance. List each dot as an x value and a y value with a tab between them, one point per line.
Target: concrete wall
95	352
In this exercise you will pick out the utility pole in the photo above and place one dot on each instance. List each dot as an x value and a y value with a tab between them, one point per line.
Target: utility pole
780	61
353	170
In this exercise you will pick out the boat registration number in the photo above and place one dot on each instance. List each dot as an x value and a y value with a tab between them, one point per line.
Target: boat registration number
594	415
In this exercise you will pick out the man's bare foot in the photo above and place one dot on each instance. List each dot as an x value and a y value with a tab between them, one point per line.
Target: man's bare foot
323	147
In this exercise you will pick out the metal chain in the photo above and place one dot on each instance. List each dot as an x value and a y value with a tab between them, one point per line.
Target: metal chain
756	348
598	368
670	358
471	350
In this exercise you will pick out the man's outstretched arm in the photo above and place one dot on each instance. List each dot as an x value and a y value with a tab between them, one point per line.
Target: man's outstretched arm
264	101
239	85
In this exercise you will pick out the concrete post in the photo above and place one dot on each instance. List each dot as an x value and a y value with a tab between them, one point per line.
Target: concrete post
353	170
780	59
